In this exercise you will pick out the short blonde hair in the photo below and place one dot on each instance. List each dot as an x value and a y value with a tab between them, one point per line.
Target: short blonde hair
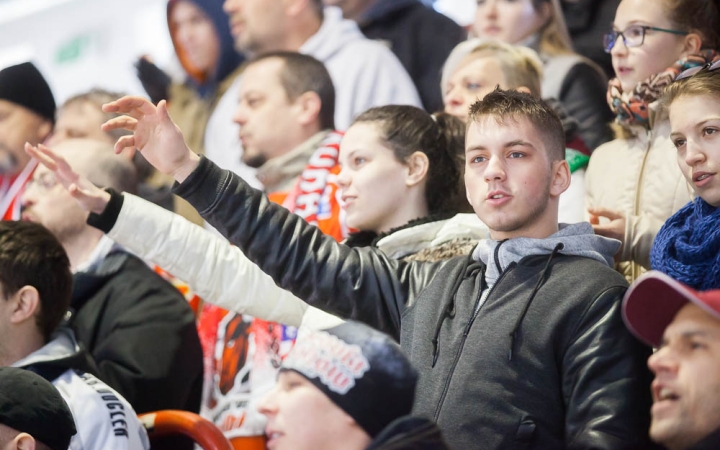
520	65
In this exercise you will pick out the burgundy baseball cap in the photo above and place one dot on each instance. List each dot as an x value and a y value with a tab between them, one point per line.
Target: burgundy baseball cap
654	299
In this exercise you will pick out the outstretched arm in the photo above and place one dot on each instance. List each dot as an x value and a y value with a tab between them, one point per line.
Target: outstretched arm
362	284
213	268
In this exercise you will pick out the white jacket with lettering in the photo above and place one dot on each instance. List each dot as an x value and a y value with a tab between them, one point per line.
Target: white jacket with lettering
104	419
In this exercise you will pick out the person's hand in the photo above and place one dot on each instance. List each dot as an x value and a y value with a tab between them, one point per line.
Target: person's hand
155	82
90	197
155	135
614	229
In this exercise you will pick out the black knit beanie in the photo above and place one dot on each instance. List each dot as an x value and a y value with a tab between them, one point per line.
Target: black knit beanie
361	370
24	85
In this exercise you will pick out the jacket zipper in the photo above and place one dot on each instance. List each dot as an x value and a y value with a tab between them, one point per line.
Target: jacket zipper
634	268
476	313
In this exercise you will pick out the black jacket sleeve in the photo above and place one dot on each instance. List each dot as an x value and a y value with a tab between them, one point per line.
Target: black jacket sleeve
606	380
354	283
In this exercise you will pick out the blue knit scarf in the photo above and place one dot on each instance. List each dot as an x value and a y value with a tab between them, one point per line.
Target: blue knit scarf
687	248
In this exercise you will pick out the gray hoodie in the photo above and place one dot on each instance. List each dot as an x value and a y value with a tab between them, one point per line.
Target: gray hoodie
577	239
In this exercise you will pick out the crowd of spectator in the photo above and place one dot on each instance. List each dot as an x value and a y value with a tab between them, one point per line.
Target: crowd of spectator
355	224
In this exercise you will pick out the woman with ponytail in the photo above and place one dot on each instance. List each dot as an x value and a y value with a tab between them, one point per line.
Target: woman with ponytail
632	183
401	183
401	188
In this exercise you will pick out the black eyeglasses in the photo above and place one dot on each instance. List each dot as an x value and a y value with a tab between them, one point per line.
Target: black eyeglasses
633	36
693	70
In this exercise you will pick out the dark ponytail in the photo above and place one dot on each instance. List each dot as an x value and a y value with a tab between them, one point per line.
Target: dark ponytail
407	129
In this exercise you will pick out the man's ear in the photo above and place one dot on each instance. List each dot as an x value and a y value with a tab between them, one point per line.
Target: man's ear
23	441
523	89
26	303
309	106
418	165
560	178
295	7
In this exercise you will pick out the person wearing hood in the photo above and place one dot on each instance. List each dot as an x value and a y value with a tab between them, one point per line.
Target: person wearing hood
138	327
35	286
420	37
365	73
535	300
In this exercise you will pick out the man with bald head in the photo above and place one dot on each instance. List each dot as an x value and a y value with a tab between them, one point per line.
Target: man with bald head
27	114
138	328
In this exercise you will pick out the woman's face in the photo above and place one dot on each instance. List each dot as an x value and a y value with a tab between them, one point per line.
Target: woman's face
510	21
372	181
695	132
475	77
658	51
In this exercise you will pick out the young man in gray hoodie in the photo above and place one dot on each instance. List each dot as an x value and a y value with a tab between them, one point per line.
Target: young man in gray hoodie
519	345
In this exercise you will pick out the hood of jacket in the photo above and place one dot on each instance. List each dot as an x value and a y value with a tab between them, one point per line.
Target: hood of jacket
229	59
382	8
334	34
87	283
57	356
577	239
410	240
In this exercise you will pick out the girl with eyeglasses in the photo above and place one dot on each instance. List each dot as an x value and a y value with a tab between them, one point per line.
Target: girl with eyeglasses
688	245
578	83
632	184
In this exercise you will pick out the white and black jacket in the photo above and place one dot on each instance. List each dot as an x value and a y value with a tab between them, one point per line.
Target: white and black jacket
103	418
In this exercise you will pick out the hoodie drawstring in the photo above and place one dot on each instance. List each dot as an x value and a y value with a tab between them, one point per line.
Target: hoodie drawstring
447	310
540	282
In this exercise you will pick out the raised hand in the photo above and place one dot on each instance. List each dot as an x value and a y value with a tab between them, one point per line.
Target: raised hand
155	135
90	197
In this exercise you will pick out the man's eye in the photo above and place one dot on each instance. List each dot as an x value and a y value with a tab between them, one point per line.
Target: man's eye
478	159
517	155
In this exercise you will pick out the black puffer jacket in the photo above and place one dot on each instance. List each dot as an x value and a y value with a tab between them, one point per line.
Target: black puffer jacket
545	363
141	332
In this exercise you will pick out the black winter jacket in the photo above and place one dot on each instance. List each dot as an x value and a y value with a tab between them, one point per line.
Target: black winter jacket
545	363
420	37
141	332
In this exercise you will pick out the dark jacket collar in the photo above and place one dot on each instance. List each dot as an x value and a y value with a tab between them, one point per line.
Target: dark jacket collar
711	442
85	284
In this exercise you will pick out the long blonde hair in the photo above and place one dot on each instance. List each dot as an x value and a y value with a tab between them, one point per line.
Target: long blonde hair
554	35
